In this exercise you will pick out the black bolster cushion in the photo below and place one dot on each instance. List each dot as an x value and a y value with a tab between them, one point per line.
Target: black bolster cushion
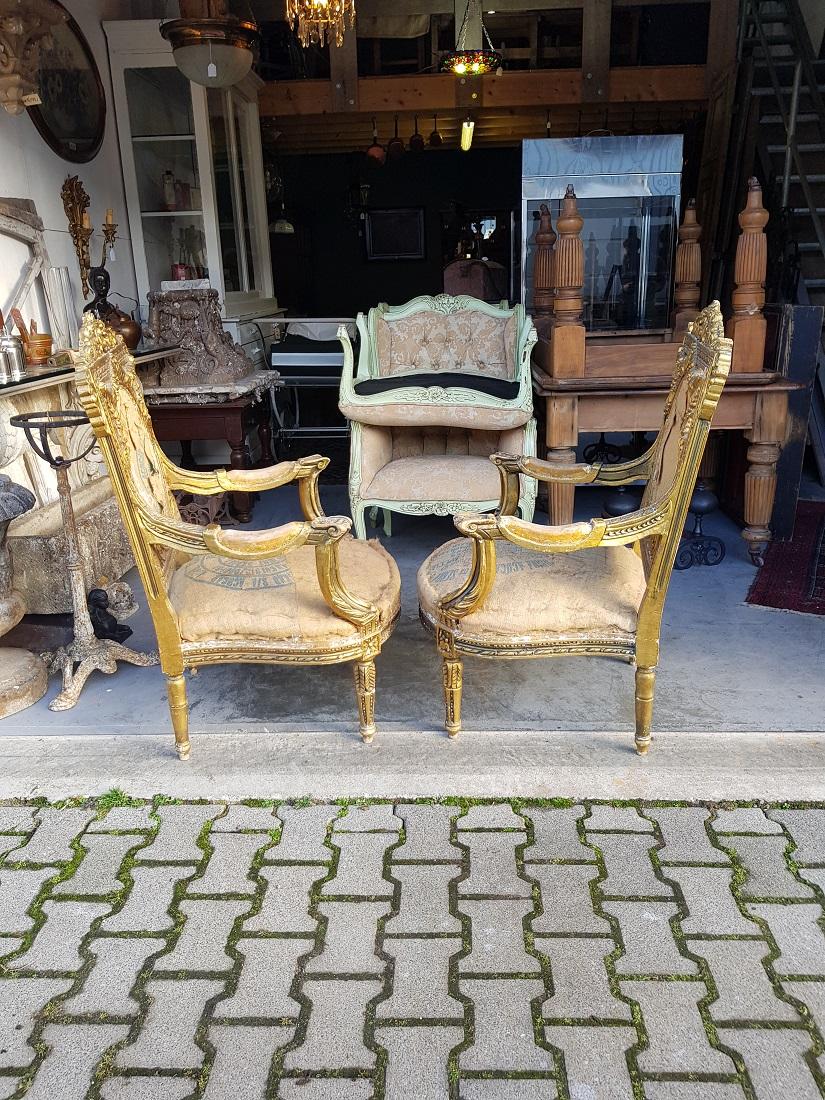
493	387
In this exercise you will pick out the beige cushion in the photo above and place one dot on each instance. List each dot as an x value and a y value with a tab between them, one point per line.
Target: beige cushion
279	599
541	596
436	414
460	478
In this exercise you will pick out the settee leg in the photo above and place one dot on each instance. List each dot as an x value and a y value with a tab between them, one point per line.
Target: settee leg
365	693
453	677
179	710
645	683
358	521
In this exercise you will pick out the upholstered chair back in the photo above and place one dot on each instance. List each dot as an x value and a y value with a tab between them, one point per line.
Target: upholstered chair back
112	397
702	365
467	341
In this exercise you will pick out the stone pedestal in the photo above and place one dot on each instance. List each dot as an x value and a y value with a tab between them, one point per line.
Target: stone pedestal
23	676
23	680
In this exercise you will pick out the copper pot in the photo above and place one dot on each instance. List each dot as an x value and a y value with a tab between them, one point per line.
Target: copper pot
37	348
125	326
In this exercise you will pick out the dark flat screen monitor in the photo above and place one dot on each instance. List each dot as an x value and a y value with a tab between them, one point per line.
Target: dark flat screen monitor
395	234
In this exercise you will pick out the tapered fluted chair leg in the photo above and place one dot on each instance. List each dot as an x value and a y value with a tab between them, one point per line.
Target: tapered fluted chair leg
365	693
179	710
452	695
645	684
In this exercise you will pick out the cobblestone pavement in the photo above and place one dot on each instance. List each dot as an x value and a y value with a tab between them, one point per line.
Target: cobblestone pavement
412	952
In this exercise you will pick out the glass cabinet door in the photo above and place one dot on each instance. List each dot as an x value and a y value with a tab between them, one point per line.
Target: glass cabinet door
229	124
167	174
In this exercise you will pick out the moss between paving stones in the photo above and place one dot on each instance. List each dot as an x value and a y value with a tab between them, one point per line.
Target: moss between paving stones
116	797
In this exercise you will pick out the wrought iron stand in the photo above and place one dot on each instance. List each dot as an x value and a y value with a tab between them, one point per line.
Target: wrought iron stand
86	651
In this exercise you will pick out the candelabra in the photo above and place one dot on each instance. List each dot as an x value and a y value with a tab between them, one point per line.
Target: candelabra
109	230
87	652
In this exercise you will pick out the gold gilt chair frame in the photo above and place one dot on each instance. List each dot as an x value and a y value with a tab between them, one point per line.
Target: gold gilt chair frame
160	539
654	531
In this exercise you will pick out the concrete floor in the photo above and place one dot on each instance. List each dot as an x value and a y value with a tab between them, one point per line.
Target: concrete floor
725	666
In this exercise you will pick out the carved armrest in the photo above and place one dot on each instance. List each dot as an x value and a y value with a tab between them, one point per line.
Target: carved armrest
579	473
209	482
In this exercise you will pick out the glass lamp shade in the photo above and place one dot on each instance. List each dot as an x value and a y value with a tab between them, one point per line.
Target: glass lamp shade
216	53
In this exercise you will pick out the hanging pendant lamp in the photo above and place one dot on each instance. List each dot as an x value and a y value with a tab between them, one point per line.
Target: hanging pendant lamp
215	52
319	21
435	137
464	62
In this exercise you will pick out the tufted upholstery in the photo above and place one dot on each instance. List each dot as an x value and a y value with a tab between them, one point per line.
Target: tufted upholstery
542	596
278	599
466	341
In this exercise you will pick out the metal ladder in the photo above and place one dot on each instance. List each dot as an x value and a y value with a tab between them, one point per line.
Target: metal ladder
789	81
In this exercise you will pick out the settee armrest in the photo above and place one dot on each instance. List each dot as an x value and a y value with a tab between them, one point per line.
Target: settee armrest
209	482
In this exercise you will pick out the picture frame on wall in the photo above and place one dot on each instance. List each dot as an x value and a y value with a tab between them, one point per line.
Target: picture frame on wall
396	234
71	115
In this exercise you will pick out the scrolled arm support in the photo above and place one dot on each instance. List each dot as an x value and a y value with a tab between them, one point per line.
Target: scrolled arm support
581	473
209	482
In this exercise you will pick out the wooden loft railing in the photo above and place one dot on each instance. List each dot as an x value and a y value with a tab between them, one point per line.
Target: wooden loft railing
558	279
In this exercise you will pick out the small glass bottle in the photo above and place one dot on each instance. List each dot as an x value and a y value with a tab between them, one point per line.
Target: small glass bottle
169	200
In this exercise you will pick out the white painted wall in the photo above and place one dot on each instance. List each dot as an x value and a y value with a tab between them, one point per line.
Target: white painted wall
30	170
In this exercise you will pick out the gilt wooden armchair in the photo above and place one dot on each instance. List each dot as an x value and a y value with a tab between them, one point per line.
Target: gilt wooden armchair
510	588
302	593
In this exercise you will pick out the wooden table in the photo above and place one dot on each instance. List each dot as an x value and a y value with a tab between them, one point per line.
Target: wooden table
208	413
756	404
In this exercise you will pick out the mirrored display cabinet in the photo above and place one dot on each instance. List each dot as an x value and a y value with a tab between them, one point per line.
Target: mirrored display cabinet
628	191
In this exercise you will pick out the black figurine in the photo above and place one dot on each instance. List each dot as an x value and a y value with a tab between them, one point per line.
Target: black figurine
104	624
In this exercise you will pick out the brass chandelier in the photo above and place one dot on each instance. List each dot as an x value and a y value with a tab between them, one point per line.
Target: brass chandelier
320	20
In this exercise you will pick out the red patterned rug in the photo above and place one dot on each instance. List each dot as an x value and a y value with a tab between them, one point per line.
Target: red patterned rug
793	576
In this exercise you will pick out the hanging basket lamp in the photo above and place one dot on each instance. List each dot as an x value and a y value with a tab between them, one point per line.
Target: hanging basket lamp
464	62
320	21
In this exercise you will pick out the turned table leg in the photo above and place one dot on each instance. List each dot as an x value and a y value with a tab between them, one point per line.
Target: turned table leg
562	438
239	460
765	441
760	490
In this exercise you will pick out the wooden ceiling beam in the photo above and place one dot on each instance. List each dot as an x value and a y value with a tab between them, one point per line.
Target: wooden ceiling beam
441	92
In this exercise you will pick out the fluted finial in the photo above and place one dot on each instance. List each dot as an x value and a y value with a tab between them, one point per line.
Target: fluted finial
543	264
751	254
688	270
569	261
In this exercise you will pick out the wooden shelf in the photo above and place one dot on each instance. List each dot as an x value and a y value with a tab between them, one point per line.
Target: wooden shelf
170	213
163	137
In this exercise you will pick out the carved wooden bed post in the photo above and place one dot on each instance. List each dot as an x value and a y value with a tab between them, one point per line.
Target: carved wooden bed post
544	272
688	273
567	346
747	325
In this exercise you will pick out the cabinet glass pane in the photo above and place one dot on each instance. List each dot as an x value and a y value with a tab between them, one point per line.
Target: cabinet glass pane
628	260
166	172
230	157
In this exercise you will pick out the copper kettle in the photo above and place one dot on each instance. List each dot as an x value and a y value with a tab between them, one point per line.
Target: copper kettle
125	326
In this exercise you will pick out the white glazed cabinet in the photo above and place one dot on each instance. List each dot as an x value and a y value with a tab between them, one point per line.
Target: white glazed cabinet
193	175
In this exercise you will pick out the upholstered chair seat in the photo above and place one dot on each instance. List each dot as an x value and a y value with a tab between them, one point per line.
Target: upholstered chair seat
426	478
512	588
442	383
547	597
278	599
